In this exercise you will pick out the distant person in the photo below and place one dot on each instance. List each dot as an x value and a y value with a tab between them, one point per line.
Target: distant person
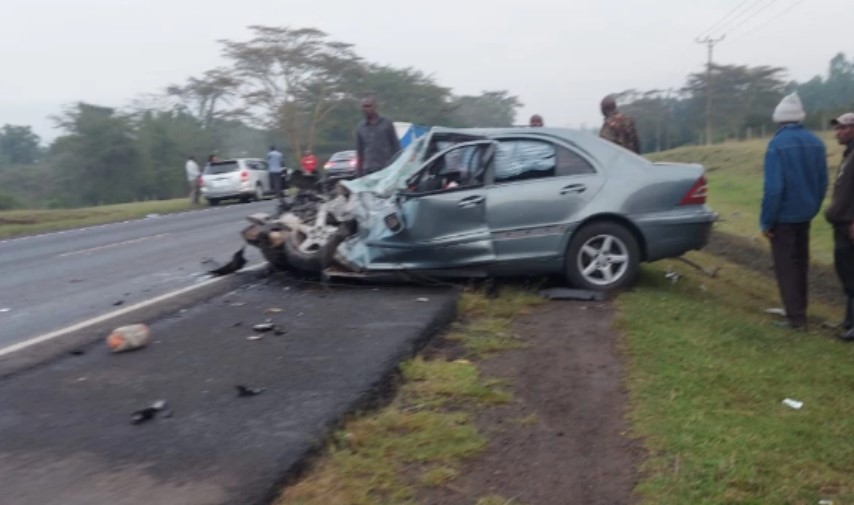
840	213
193	174
618	128
536	121
795	184
308	162
376	140
274	168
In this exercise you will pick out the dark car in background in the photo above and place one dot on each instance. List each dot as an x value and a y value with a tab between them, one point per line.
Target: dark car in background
341	165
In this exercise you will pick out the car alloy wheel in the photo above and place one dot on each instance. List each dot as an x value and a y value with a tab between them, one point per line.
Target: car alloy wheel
602	256
603	260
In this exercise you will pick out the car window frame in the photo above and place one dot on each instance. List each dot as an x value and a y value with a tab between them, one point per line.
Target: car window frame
554	141
489	145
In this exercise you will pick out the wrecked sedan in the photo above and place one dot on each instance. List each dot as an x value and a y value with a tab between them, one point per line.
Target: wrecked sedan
496	202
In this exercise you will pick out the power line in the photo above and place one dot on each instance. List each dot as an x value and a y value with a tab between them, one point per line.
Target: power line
771	20
719	21
736	27
721	28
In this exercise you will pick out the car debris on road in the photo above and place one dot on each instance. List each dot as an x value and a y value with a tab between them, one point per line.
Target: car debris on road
243	391
148	413
238	261
128	338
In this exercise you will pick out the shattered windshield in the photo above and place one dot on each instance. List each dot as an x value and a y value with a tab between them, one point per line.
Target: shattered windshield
389	180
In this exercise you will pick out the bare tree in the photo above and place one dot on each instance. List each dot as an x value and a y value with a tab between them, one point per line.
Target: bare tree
207	97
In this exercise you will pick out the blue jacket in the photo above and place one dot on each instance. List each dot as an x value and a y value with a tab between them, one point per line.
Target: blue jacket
795	177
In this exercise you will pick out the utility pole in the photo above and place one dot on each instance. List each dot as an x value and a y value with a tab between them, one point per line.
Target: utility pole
710	43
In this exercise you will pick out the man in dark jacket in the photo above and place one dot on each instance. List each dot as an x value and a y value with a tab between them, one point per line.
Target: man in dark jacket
376	140
617	127
840	213
795	184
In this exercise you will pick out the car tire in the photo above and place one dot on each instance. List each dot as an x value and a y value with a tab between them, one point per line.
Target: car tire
327	252
311	262
213	202
602	256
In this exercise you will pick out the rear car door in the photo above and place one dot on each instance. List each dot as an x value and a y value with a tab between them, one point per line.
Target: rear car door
539	188
443	215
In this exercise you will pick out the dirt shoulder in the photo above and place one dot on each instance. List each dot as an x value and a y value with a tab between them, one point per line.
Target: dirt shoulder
563	438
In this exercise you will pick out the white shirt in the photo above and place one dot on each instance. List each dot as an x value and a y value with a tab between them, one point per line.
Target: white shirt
192	169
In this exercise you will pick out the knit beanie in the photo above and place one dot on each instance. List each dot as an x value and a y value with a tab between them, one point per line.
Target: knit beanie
789	110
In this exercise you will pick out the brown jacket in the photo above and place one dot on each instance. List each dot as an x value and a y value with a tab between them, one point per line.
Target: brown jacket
841	208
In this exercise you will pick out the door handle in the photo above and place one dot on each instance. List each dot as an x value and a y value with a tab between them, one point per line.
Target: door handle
470	201
573	188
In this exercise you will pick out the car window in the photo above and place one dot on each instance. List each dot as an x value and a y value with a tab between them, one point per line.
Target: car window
524	159
222	167
571	163
461	167
344	155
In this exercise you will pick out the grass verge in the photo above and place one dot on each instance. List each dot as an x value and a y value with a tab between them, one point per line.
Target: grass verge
419	440
27	222
707	373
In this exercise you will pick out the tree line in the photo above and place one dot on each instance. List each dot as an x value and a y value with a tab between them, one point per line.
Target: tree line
742	100
296	88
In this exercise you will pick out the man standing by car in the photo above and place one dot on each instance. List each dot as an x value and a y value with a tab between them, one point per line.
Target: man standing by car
192	170
618	128
795	183
840	213
376	140
308	162
274	167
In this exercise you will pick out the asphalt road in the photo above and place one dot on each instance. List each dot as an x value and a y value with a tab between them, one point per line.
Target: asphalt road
65	431
50	281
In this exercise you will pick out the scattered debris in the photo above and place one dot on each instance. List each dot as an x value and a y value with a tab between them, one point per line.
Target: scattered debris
711	272
152	215
422	299
776	311
237	262
278	331
673	276
118	302
238	323
273	310
127	338
462	362
264	327
825	502
573	294
5	309
77	352
237	304
254	337
795	404
248	391
148	413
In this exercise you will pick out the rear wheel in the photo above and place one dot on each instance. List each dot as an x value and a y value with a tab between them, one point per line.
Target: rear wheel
306	245
602	256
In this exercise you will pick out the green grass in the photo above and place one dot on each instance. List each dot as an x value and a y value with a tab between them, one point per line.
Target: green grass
26	222
420	440
734	171
707	373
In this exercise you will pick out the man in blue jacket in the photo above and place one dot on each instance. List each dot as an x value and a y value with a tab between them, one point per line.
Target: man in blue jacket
795	185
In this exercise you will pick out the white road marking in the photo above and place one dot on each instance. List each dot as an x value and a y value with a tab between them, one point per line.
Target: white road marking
114	244
125	310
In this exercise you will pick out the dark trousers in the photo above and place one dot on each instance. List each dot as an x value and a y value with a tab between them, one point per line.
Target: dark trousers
790	248
276	184
843	257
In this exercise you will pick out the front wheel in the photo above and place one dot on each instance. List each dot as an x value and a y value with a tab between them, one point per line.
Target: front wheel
602	256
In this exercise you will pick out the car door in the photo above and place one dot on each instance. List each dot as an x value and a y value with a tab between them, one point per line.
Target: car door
538	191
443	215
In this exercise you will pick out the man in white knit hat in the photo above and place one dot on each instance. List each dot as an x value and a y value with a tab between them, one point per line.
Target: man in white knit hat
795	185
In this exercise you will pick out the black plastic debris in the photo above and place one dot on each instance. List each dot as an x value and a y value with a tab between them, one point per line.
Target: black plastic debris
148	413
573	294
119	302
237	262
77	352
243	391
278	331
264	327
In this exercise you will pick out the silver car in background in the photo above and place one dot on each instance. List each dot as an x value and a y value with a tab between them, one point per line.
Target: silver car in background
241	178
341	165
498	202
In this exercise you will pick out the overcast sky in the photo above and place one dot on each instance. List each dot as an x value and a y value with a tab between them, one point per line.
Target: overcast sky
559	57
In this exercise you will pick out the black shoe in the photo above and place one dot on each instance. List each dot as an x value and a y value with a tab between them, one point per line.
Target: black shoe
848	336
848	323
792	326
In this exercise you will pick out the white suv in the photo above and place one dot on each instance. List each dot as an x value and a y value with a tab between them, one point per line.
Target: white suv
243	178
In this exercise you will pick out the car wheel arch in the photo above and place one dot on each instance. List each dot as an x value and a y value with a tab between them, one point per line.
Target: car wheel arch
612	218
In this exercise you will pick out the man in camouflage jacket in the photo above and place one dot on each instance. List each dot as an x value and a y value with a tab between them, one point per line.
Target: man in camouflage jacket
618	128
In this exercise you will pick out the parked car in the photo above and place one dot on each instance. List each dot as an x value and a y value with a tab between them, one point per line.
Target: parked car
341	165
243	178
517	201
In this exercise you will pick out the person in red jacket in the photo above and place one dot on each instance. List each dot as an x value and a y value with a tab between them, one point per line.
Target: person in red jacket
308	162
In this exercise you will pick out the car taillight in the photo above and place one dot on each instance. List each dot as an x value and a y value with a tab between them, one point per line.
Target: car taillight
327	165
352	163
244	176
697	194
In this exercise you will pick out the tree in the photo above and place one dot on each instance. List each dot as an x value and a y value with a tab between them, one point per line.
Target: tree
97	158
18	145
293	79
206	98
490	108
